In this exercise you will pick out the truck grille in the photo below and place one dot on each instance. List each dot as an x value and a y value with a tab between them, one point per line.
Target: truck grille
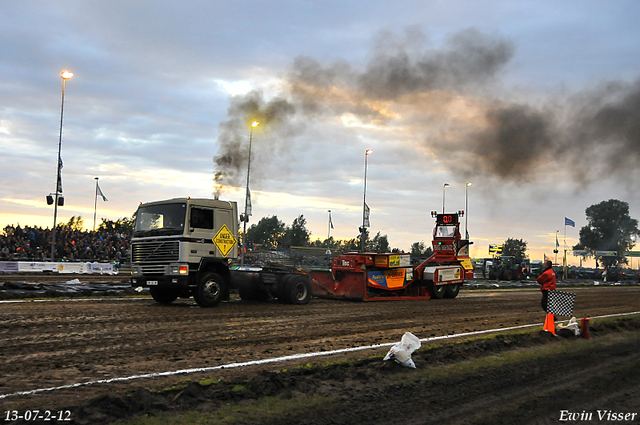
155	252
158	270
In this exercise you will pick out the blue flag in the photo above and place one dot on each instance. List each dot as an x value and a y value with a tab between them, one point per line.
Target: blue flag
569	222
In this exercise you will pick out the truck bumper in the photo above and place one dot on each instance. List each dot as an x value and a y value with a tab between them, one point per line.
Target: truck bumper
181	282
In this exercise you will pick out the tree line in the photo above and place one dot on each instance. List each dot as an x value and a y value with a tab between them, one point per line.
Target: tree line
609	228
272	233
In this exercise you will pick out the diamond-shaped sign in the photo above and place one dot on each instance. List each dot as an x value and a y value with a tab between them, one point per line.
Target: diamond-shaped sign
224	240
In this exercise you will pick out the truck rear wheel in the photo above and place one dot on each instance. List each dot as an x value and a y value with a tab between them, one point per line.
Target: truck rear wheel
451	290
298	289
438	291
163	295
210	290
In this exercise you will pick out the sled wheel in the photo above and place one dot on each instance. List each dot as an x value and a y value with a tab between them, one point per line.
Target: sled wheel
210	290
298	289
438	291
451	290
163	295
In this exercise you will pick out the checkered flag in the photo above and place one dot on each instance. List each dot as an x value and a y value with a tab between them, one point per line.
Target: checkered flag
560	303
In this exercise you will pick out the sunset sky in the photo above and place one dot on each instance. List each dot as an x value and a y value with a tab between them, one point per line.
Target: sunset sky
536	103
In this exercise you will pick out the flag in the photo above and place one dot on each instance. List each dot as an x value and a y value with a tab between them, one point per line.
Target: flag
248	202
330	221
569	222
561	303
557	244
367	212
104	198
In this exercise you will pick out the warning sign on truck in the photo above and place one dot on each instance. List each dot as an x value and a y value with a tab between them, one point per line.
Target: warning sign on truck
224	240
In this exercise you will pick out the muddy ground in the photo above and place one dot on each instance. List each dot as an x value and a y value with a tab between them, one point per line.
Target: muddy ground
49	344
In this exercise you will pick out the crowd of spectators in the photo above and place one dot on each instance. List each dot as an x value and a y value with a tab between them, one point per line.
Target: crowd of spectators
34	244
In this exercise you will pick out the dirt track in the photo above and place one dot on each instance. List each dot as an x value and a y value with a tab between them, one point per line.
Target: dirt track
55	343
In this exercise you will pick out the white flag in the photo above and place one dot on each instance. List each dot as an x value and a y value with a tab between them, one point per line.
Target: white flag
104	198
248	202
367	212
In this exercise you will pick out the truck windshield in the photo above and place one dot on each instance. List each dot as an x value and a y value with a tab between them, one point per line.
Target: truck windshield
166	219
445	231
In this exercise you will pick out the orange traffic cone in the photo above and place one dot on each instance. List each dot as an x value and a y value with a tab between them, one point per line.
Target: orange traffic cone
584	329
549	324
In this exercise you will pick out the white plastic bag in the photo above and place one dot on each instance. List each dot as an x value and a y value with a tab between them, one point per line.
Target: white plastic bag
401	352
571	326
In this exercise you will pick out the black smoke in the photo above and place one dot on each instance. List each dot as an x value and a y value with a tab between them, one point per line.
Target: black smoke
592	135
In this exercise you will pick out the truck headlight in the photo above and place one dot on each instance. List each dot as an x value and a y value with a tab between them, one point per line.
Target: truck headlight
181	269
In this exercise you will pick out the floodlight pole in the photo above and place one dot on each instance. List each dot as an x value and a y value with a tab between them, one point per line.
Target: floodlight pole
65	76
245	216
443	188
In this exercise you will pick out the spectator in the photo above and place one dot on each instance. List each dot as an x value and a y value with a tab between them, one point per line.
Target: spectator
34	244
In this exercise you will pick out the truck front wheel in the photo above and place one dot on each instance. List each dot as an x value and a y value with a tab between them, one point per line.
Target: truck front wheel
210	290
163	295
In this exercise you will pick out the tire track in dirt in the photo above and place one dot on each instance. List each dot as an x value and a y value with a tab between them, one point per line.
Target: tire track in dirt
51	344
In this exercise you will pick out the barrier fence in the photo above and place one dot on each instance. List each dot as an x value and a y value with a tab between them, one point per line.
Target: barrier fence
60	267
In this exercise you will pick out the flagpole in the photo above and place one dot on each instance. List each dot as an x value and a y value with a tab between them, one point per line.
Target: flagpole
95	205
556	250
329	228
364	202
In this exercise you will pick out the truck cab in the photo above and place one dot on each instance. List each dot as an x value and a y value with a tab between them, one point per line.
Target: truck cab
183	247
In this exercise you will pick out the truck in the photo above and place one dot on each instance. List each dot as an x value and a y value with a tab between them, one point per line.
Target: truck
368	276
186	247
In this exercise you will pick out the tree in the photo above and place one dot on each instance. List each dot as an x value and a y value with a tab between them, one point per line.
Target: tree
122	225
73	224
380	244
351	245
297	234
514	247
609	228
268	232
419	251
416	249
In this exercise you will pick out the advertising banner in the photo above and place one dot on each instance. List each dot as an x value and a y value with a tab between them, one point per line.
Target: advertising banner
390	279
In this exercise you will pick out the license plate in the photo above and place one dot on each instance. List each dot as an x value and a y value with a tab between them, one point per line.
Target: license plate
152	282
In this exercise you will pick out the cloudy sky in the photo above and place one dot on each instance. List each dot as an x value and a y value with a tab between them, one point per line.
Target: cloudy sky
536	103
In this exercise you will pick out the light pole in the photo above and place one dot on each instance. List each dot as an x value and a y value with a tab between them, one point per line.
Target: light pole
466	210
443	187
365	215
247	199
58	196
